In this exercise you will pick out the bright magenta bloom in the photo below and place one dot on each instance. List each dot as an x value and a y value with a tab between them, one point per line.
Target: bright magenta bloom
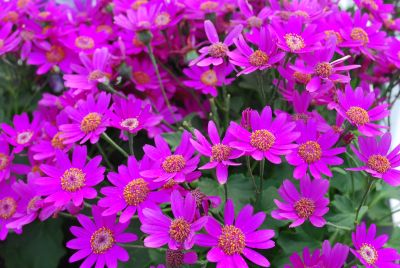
236	237
9	39
10	209
308	204
98	241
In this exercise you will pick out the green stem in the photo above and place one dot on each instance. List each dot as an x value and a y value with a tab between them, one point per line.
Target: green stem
389	214
110	89
105	158
227	98
251	174
131	151
261	87
113	144
370	181
226	191
260	188
338	226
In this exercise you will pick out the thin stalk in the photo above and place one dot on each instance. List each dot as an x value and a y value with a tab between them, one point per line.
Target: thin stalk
227	98
110	89
370	181
262	165
251	174
105	158
226	191
113	144
131	151
261	87
389	214
338	226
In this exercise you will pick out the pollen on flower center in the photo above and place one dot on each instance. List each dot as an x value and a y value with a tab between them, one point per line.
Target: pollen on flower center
304	207
301	77
218	50
55	55
130	123
170	184
174	258
163	19
174	163
102	240
33	204
258	58
96	75
310	151
179	229
262	139
57	141
330	33
220	152
358	115
73	180
323	69
368	253
294	41
90	122
136	191
4	161
141	77
138	3
379	163
209	6
209	78
254	21
8	207
24	137
232	240
198	196
360	35
84	42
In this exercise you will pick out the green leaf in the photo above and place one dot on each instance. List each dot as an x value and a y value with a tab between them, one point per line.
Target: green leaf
173	139
291	241
40	246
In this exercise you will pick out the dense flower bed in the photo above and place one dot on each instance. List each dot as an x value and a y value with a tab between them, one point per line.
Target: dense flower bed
182	132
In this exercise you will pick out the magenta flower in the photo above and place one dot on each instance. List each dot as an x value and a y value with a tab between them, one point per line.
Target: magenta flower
269	138
144	77
86	39
130	192
292	37
23	133
6	162
262	58
370	251
251	19
9	39
132	115
10	209
99	241
206	79
392	53
178	166
89	120
355	106
141	18
379	162
94	70
308	204
329	257
220	152
70	180
314	151
178	233
236	237
178	258
214	54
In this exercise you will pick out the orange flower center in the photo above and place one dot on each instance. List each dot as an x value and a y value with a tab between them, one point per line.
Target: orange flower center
368	253
90	122
360	35
141	77
4	161
84	42
218	50
179	229
174	163
258	58
209	78
310	151
358	115
57	141
102	240
294	41
136	191
55	55
231	240
220	152
323	69
379	163
8	207
301	77
304	207
262	139
209	6
73	180
329	33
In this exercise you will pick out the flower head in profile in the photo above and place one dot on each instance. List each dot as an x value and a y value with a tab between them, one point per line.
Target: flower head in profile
215	53
219	151
67	180
130	192
233	241
378	160
139	19
89	120
23	133
370	250
9	39
99	241
93	70
178	166
179	232
308	204
250	17
328	257
262	58
355	107
268	138
314	151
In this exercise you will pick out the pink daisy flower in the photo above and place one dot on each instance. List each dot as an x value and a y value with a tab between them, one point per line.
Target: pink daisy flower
262	58
206	79
24	131
178	258
89	120
379	161
178	166
236	237
95	69
220	152
268	138
355	107
142	18
9	39
6	162
67	180
10	209
130	192
144	77
314	151
308	204
250	18
178	233
86	39
98	241
214	54
369	249
392	53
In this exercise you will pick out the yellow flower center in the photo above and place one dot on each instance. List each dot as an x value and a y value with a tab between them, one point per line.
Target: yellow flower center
294	41
262	139
310	151
209	6
90	122
173	163
254	21
73	180
209	78
220	152
323	69
138	3
55	55
57	141
130	123
258	58
231	240
301	78
379	163
84	42
304	207
358	115
179	229
218	50
8	207
163	19
136	191
102	240
360	35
